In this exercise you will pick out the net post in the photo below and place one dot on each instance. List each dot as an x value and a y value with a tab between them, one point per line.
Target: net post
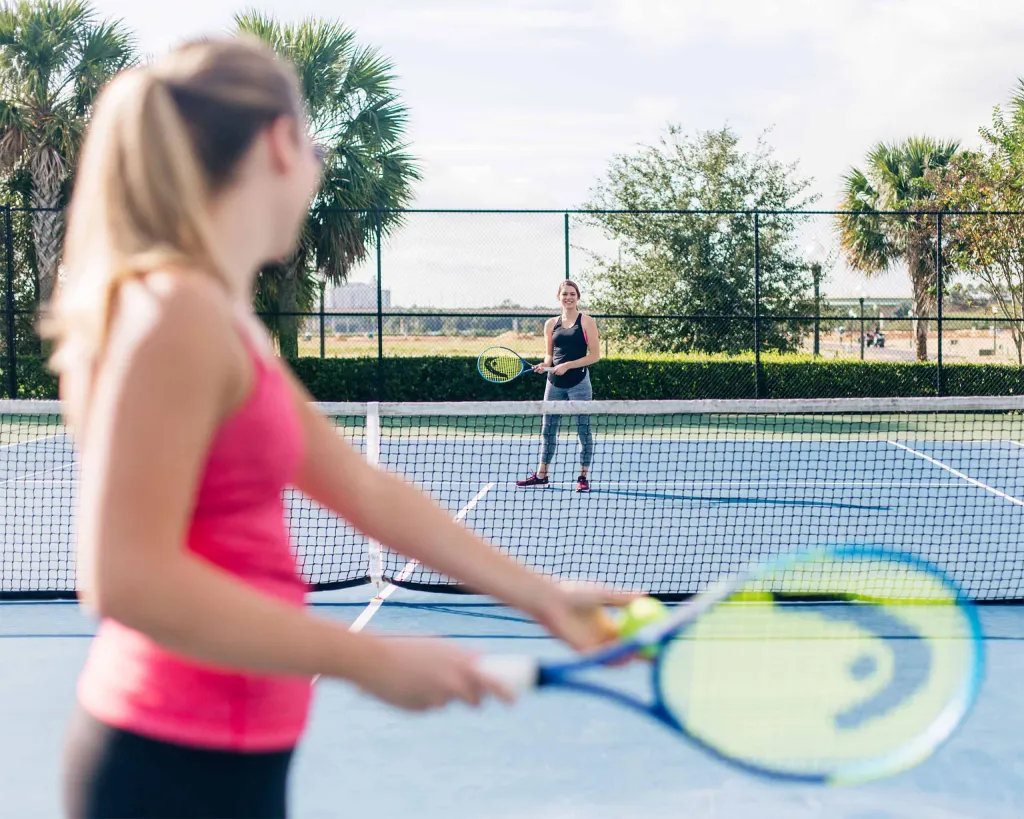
938	311
12	356
374	557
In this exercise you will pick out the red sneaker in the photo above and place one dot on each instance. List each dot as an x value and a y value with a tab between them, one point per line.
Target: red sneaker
533	480
582	484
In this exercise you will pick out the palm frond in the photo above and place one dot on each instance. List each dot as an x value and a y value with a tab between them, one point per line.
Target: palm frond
261	26
862	232
355	110
104	50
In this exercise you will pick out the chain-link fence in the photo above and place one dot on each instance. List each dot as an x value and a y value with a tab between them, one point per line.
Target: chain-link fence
934	291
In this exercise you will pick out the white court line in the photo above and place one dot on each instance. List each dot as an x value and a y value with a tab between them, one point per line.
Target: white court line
640	484
34	440
42	482
34	477
959	474
389	588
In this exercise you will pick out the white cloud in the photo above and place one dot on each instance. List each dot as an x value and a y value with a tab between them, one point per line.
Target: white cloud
475	26
673	22
542	93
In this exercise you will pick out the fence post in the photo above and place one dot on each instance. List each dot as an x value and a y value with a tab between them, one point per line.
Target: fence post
816	273
861	328
938	282
380	310
12	356
567	275
323	286
757	306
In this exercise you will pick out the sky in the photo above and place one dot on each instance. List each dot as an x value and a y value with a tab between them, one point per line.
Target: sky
524	103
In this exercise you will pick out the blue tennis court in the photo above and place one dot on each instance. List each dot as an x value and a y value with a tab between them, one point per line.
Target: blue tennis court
672	508
668	515
665	514
552	755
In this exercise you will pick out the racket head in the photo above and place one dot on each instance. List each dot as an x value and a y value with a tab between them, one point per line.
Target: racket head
499	365
865	678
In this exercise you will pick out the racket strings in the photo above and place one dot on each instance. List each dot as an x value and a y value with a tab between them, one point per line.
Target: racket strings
873	680
500	367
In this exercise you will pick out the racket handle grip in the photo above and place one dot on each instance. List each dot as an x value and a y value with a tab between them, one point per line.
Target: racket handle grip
517	672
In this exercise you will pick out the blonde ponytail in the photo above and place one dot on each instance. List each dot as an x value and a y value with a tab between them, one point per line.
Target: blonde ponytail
163	139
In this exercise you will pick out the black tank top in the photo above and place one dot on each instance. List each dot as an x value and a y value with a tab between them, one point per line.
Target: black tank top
568	344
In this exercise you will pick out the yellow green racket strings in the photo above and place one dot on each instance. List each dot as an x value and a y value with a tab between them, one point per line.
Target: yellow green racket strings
500	367
845	669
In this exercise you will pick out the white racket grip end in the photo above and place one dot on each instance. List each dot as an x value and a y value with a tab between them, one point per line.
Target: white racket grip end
517	672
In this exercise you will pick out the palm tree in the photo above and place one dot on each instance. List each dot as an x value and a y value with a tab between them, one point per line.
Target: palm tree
355	112
55	56
894	179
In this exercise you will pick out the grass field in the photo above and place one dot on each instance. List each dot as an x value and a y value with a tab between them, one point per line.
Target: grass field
356	346
964	345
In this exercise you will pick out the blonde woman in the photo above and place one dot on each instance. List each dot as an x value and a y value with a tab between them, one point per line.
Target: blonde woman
573	345
196	171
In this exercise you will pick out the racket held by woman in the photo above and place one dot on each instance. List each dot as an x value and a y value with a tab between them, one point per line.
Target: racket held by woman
832	666
500	365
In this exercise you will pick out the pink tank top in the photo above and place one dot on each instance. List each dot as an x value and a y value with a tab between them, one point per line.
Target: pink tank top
238	524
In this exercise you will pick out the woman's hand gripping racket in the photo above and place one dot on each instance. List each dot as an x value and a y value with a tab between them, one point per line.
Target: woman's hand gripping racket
500	365
831	667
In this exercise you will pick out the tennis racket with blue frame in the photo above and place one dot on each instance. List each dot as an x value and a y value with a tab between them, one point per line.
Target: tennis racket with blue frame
833	666
500	365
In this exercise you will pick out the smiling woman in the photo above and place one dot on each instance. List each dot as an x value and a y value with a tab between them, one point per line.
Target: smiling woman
573	346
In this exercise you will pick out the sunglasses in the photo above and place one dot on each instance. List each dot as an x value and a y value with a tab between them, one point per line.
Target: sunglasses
320	151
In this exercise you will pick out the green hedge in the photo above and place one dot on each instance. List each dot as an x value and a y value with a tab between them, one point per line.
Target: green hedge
456	379
434	378
34	380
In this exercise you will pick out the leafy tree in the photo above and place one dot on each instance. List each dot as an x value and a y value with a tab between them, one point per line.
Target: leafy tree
697	268
986	244
55	56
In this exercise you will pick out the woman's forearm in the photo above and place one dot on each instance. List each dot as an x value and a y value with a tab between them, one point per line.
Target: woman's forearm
194	608
586	361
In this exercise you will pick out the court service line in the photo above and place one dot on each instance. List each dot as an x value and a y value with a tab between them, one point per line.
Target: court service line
374	605
959	474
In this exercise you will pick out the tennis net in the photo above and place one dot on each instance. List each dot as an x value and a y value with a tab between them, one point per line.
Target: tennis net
682	492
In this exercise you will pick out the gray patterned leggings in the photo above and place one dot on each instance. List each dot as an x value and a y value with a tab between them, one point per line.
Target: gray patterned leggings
549	427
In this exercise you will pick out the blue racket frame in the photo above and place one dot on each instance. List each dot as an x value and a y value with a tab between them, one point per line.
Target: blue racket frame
560	674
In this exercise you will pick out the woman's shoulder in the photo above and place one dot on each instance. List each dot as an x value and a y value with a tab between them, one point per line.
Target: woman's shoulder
173	309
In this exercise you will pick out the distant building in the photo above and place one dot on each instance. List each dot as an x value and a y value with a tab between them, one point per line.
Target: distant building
356	297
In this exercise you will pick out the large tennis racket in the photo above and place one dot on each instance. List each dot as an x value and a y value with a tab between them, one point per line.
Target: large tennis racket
501	365
834	666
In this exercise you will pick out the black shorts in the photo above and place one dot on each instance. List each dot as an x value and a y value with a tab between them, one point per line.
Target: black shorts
113	773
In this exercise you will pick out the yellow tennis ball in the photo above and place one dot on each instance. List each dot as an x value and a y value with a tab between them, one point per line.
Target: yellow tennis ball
639	613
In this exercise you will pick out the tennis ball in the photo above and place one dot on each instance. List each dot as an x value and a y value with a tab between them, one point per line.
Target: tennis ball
639	613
